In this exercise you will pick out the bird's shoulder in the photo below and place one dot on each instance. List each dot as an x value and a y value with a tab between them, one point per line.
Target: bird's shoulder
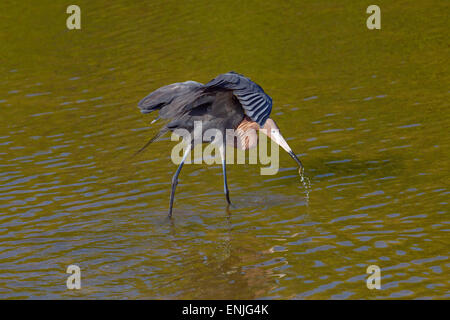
256	103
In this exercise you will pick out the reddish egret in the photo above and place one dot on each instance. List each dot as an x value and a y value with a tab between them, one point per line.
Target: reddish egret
230	101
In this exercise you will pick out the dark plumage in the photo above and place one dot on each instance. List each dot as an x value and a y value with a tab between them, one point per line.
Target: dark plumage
178	98
256	103
230	101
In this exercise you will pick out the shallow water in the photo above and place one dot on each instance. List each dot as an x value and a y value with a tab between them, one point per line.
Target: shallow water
366	111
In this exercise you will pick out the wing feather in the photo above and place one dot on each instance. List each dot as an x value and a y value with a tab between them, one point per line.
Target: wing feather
164	96
256	103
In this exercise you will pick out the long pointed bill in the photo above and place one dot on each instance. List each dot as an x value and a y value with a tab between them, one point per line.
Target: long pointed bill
276	136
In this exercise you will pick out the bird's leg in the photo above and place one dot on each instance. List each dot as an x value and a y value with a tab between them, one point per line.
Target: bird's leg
175	179
222	149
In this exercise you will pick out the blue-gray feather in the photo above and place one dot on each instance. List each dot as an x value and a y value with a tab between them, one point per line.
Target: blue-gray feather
185	102
256	103
166	95
178	98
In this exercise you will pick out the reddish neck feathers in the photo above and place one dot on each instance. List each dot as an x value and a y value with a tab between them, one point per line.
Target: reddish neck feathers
246	134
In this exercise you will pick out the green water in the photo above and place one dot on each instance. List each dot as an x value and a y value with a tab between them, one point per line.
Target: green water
365	110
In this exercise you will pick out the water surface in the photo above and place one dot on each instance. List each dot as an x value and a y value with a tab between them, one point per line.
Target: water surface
367	112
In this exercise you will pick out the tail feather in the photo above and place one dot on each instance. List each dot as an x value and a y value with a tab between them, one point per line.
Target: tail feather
156	137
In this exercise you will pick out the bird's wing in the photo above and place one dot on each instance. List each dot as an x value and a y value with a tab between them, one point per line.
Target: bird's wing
167	94
256	103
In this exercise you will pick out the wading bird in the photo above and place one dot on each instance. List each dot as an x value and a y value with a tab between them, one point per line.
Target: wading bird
230	101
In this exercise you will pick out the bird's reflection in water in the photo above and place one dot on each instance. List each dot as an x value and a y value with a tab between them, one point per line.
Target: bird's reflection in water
231	269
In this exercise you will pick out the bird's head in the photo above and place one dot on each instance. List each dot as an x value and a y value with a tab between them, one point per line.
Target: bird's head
273	132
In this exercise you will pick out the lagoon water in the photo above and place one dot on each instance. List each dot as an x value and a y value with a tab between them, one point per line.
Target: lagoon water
365	110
